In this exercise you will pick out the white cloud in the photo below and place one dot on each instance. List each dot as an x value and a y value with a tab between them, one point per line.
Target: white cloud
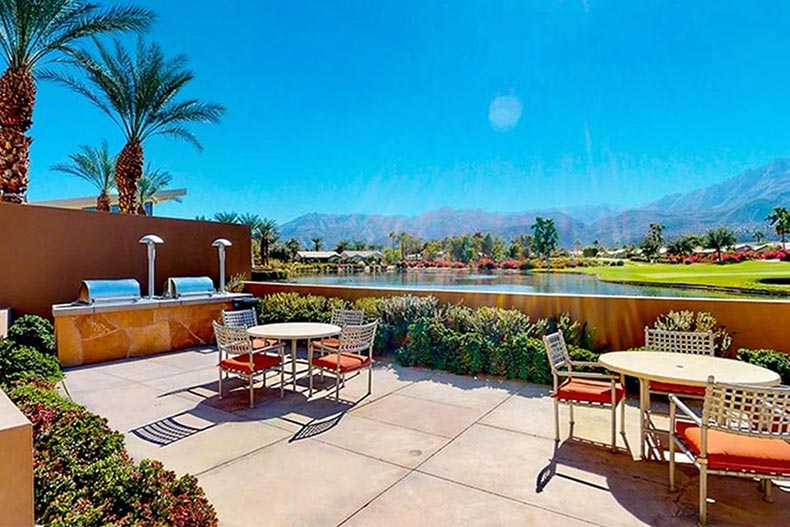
504	112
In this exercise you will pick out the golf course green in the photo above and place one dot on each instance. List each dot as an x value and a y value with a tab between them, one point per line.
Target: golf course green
744	276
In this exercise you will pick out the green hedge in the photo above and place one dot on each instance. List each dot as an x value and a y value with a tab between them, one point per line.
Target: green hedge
453	337
773	360
83	474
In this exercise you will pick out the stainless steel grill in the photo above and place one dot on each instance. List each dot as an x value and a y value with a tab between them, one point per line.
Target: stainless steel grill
179	286
125	289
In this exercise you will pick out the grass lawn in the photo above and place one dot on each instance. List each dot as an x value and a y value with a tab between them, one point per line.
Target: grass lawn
744	275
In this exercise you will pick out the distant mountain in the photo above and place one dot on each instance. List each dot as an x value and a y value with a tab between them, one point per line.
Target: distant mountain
741	203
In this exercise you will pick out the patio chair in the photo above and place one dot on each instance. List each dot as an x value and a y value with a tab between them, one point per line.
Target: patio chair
582	388
354	353
246	318
342	318
694	342
237	357
744	431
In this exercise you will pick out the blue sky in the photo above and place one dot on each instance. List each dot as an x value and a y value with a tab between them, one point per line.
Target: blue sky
408	106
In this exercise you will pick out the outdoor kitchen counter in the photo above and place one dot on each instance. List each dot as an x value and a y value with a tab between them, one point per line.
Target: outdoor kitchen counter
101	332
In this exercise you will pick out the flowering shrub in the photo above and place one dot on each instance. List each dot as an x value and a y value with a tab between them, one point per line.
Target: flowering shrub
34	332
696	321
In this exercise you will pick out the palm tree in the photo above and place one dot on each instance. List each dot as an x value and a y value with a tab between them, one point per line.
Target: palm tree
780	221
268	234
152	182
226	217
139	94
718	239
317	242
97	167
393	237
33	32
342	245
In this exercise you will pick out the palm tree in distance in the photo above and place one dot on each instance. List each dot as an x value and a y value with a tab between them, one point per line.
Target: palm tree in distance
97	167
32	32
317	242
152	182
140	95
780	221
342	245
226	217
268	234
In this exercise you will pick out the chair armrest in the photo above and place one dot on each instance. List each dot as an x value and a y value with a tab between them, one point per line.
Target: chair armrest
674	401
587	375
586	364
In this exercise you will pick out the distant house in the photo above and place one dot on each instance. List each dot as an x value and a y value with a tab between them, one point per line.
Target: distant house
362	256
89	203
317	256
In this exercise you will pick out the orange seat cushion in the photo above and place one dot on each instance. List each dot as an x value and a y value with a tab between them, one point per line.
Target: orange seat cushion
326	343
588	391
736	452
348	361
241	363
656	386
263	343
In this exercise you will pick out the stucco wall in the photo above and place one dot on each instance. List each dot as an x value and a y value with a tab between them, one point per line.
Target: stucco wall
16	466
618	321
46	252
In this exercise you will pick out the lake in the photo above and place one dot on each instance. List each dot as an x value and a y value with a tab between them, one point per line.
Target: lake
566	283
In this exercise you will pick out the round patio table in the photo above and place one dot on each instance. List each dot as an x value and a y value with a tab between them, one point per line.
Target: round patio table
295	331
681	368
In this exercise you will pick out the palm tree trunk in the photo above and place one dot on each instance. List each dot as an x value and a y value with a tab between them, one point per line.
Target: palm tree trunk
103	202
128	171
17	98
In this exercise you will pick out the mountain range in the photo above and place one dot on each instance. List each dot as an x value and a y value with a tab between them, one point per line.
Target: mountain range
740	203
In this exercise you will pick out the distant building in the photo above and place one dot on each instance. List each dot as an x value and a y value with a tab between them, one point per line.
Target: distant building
89	203
317	256
362	256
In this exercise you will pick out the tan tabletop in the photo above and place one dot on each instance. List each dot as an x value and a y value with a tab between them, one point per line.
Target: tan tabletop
684	368
294	331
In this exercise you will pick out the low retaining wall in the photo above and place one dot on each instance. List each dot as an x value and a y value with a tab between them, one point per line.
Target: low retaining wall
619	321
16	466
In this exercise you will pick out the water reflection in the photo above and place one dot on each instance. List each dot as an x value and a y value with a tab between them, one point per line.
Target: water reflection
506	282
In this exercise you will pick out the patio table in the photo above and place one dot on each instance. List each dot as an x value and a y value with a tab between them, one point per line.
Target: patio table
295	331
681	368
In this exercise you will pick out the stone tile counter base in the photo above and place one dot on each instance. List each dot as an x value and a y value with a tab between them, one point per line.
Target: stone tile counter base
88	334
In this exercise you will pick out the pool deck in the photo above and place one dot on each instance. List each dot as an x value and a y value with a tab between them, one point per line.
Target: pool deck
426	448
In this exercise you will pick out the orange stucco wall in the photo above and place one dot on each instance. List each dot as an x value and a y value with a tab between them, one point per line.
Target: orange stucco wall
46	252
618	321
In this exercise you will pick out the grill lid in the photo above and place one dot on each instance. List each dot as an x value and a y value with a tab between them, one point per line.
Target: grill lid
189	286
108	290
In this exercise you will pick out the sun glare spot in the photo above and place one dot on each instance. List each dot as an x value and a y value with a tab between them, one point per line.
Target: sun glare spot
504	112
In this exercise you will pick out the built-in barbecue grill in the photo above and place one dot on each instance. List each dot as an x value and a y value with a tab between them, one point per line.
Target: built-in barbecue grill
189	286
101	291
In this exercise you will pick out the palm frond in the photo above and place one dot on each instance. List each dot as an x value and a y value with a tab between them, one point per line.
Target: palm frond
34	30
152	182
94	165
139	91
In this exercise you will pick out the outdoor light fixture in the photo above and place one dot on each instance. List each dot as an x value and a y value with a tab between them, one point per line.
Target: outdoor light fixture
151	241
220	244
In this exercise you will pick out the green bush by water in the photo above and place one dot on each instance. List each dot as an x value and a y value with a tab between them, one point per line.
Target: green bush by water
773	360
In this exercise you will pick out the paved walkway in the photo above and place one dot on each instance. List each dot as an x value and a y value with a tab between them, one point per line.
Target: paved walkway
426	448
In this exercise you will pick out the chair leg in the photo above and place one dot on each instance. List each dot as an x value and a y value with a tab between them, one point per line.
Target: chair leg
703	495
220	383
672	487
572	422
556	421
370	380
251	388
768	495
310	374
614	428
337	386
282	377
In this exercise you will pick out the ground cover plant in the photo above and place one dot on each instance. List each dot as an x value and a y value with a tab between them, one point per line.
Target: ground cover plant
83	474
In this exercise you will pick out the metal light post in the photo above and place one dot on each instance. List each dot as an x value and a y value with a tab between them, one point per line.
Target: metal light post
151	241
220	244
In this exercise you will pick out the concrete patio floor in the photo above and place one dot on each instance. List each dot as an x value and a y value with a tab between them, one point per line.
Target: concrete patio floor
426	448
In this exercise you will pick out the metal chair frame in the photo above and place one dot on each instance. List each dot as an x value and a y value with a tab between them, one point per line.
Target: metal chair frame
735	409
340	317
562	366
356	340
236	341
242	318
